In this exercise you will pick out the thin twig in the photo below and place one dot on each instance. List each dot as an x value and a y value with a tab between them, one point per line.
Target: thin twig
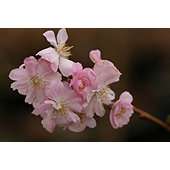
152	118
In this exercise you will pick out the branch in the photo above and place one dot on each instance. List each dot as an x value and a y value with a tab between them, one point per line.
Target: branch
152	118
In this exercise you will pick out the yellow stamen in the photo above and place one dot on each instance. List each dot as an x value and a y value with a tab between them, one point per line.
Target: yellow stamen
64	50
102	92
61	108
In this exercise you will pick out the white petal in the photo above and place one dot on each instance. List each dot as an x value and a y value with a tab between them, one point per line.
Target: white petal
65	66
50	36
90	107
50	55
99	108
108	97
91	122
62	36
77	127
73	117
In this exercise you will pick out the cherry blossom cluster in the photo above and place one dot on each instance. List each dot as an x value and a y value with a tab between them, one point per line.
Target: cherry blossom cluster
66	95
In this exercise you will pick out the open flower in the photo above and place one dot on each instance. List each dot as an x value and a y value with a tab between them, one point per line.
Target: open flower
84	122
82	80
61	106
31	79
58	55
106	73
121	110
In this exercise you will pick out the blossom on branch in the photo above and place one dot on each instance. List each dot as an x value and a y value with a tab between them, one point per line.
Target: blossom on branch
60	107
57	55
106	73
72	99
31	78
121	110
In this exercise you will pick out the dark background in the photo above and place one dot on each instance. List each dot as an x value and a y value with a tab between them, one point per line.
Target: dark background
142	56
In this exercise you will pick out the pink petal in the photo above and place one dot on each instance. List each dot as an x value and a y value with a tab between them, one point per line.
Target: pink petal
18	74
65	66
54	90
73	117
106	73
81	125
21	86
95	56
62	120
34	96
73	100
121	121
53	76
77	127
43	68
67	118
75	105
30	96
126	97
50	36
90	73
112	121
76	67
50	55
49	124
39	96
91	122
31	64
41	109
62	36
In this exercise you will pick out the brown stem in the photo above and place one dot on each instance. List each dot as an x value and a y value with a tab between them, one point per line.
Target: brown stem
152	118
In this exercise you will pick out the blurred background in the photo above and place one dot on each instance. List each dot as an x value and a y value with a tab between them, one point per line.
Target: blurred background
142	56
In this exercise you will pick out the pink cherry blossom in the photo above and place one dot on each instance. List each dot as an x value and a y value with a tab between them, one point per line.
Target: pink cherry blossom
81	125
31	79
57	56
106	73
96	101
121	110
61	106
82	80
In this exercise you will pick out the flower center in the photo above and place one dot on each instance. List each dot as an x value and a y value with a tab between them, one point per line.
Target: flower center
36	81
64	50
105	94
61	108
81	85
121	112
102	92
